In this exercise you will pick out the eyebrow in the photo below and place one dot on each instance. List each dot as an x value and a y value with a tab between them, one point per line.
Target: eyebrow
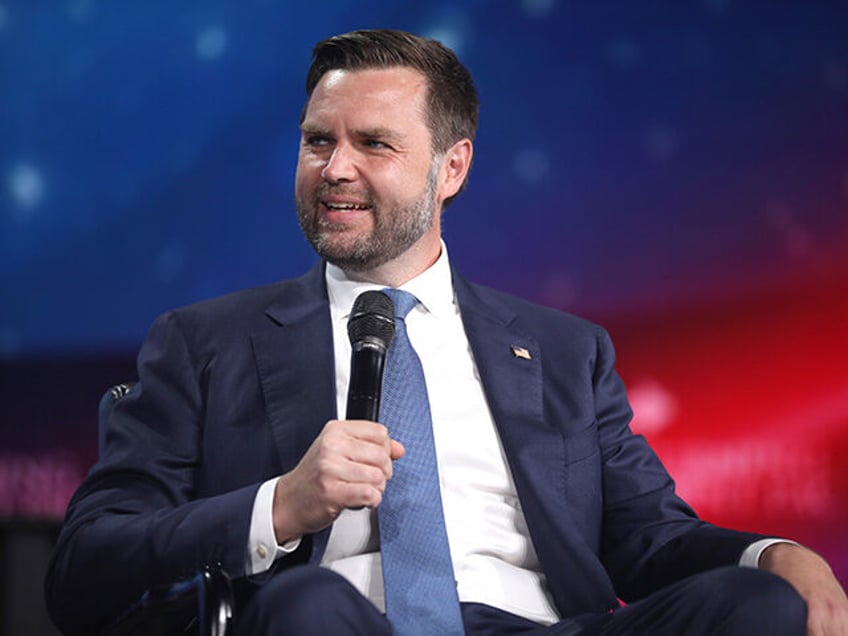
313	130
378	133
362	133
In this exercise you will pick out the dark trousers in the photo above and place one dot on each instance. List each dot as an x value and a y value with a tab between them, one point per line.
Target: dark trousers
731	601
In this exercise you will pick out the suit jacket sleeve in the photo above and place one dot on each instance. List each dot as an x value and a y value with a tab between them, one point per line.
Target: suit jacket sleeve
232	391
138	519
650	536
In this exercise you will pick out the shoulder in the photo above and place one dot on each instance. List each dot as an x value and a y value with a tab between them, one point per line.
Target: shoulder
540	320
576	354
247	310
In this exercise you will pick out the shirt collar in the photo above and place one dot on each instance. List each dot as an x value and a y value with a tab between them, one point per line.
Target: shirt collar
433	287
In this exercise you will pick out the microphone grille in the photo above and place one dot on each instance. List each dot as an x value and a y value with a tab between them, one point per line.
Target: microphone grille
373	315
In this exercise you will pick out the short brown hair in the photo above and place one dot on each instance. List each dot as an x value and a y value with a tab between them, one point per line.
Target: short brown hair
452	102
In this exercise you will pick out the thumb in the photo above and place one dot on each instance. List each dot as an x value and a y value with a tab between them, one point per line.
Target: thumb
397	450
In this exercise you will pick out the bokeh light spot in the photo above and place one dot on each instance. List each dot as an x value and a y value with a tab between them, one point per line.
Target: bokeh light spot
80	10
654	406
537	8
210	43
26	186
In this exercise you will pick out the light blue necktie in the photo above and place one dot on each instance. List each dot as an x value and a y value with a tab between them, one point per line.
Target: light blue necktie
418	576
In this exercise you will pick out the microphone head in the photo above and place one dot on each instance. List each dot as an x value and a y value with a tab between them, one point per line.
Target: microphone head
372	317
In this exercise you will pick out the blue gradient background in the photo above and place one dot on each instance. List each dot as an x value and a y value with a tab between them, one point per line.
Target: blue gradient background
663	168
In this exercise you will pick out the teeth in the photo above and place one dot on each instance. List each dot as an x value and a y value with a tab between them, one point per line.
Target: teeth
346	206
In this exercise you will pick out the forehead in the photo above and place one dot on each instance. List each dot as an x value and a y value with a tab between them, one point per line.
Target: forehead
388	94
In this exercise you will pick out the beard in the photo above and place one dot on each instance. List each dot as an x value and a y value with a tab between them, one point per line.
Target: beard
394	230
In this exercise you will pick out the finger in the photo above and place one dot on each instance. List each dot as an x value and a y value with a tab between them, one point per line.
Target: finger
359	473
396	450
357	440
366	430
360	429
360	496
370	454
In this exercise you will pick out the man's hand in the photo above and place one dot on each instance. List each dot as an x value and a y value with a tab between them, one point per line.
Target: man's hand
827	606
347	466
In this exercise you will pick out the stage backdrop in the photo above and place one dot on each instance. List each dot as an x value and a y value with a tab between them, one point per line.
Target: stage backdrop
675	171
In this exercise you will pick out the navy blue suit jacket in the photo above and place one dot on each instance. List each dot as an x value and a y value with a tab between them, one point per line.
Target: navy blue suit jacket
233	391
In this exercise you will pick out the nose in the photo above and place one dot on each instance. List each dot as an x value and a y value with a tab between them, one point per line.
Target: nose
341	166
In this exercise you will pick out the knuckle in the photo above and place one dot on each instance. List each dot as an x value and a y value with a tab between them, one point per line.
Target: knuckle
331	445
376	475
374	497
325	475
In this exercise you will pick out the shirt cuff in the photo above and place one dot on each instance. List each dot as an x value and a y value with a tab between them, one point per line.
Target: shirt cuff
262	548
751	556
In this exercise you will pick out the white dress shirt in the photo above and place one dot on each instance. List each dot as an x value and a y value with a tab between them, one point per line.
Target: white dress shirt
493	558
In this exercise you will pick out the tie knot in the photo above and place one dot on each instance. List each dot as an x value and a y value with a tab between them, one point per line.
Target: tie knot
402	300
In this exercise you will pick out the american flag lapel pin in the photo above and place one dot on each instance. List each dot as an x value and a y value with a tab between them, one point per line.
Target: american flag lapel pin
521	352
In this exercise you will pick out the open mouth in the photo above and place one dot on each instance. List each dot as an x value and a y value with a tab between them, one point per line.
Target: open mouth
345	207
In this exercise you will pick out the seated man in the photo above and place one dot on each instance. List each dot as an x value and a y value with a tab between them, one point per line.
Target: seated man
502	490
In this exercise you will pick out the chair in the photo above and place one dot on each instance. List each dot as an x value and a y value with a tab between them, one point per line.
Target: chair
201	605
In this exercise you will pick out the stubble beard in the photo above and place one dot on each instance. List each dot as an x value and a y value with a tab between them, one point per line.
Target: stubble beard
394	231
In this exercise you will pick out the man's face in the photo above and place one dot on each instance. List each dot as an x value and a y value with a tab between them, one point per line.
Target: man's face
366	184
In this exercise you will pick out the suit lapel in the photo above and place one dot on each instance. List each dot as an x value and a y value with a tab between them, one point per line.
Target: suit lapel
535	449
513	388
294	360
509	363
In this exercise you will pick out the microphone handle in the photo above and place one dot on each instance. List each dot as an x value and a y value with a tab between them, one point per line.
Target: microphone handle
367	363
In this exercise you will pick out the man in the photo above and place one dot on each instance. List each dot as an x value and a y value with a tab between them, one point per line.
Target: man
230	451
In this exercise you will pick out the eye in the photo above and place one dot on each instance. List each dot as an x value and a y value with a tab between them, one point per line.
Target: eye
376	144
316	140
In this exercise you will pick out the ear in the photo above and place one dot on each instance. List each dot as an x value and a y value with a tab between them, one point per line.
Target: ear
454	169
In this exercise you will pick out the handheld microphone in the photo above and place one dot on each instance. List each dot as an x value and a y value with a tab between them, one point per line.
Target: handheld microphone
371	328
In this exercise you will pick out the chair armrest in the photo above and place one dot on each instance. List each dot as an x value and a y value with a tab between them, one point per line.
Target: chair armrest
201	605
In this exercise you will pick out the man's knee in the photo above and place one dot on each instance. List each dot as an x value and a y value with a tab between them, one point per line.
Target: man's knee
309	600
731	601
755	601
769	601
